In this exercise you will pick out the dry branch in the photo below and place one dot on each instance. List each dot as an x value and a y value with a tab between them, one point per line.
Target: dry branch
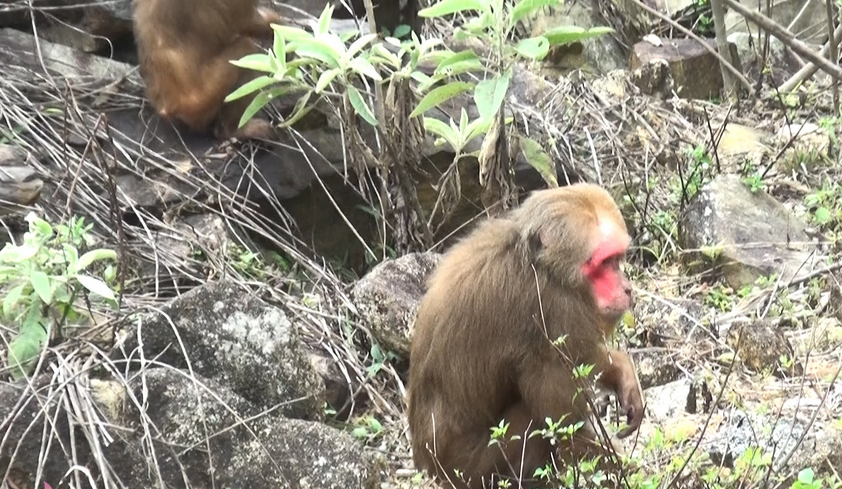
787	39
808	70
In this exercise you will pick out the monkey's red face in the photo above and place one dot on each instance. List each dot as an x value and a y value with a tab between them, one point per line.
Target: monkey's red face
611	289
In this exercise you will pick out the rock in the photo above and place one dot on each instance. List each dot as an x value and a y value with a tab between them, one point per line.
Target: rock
760	346
695	73
342	392
271	452
739	431
598	55
20	184
747	235
654	368
667	401
388	296
90	28
191	432
235	339
740	144
670	322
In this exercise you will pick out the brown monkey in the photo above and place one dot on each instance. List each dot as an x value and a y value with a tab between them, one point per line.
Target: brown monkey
185	47
482	349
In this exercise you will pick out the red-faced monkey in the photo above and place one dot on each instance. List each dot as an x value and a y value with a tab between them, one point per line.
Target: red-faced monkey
483	342
185	48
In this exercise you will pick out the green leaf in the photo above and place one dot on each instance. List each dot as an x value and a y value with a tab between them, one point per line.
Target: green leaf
359	44
526	7
96	286
252	86
447	7
11	300
95	255
539	160
320	50
326	78
533	48
401	30
292	35
442	130
455	58
360	107
279	47
300	110
363	67
324	19
439	95
22	351
490	93
569	33
823	215
41	284
259	101
476	127
256	62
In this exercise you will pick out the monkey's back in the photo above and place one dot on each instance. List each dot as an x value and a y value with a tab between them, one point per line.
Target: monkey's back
460	319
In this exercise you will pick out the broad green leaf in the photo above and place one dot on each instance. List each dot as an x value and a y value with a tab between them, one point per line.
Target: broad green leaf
360	106
526	7
533	48
447	7
320	50
256	62
254	107
291	34
252	86
96	286
539	159
823	215
326	78
40	226
41	284
401	30
442	130
490	93
22	351
569	33
439	95
359	44
95	255
363	67
476	127
461	56
11	300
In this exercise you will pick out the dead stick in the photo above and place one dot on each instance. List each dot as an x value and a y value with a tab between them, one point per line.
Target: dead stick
787	39
810	68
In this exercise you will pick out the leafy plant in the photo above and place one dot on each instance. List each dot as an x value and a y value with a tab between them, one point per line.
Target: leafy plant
42	278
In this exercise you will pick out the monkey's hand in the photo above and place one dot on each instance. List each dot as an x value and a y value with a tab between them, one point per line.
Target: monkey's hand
629	393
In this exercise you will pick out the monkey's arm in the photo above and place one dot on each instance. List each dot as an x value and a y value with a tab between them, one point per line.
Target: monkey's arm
619	375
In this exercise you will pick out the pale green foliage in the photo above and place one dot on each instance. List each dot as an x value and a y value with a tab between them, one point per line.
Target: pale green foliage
42	278
324	63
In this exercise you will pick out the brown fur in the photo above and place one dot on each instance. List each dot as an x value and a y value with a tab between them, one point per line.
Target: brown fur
481	350
185	47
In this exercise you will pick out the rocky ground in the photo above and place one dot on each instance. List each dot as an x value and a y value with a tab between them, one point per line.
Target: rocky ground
263	332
